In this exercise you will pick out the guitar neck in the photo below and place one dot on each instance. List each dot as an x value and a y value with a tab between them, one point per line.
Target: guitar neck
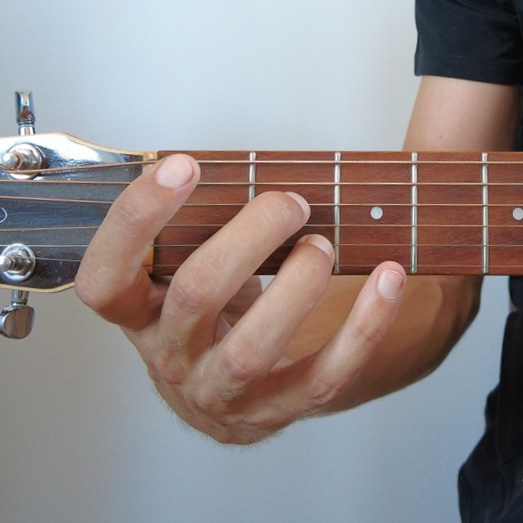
434	213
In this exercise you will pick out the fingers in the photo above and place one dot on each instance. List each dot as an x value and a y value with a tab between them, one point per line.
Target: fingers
243	301
209	396
111	279
250	350
215	273
226	381
315	383
310	386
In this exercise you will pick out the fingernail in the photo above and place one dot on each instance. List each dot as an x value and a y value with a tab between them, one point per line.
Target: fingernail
390	284
302	202
320	242
174	172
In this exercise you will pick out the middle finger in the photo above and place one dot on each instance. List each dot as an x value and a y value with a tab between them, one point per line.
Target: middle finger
215	272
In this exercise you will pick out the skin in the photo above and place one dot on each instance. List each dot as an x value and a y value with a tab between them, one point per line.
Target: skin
238	364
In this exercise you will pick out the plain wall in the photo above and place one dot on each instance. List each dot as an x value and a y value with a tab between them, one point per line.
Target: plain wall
83	436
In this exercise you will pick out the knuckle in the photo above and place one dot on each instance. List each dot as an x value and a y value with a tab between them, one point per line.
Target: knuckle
90	291
243	363
311	266
193	291
322	392
367	331
269	420
95	289
161	369
129	213
83	287
204	401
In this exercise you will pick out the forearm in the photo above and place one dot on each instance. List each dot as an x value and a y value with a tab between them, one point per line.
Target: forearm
434	314
449	115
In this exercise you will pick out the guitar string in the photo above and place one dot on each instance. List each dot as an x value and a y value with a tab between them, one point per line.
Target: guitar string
284	248
290	245
268	266
242	183
291	183
371	266
306	226
242	204
311	225
50	170
285	162
283	184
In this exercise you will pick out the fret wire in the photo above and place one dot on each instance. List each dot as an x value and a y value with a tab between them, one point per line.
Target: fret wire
414	213
252	176
337	211
485	176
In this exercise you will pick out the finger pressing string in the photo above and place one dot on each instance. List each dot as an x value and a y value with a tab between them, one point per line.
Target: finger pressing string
111	279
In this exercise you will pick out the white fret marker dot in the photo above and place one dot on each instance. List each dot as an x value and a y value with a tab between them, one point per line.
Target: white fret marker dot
376	213
518	214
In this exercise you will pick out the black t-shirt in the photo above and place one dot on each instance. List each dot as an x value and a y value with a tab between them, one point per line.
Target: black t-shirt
470	39
481	40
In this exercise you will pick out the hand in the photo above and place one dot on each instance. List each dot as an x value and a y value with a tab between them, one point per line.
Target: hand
213	343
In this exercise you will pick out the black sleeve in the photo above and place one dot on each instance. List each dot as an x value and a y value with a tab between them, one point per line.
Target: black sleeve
469	39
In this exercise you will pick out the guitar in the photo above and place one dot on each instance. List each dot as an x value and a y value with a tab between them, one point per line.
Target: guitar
432	212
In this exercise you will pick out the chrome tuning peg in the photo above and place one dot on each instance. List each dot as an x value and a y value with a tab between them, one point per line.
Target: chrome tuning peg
17	263
25	115
23	157
16	320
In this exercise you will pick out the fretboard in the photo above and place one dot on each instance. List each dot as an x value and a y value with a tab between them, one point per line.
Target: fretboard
434	213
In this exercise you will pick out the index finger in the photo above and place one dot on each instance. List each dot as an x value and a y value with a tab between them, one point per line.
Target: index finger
111	279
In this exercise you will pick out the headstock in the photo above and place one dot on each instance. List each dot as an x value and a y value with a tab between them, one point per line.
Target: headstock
55	190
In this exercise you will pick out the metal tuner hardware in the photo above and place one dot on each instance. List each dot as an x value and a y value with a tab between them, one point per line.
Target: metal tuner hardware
23	156
55	190
16	320
17	261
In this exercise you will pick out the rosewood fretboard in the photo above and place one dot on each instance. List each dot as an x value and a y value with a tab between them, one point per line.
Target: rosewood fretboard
434	213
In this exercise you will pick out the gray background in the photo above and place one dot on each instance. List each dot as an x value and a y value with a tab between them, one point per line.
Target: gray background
83	436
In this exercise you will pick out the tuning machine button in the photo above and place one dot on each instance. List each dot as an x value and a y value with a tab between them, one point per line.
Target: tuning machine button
25	115
17	263
23	157
16	320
